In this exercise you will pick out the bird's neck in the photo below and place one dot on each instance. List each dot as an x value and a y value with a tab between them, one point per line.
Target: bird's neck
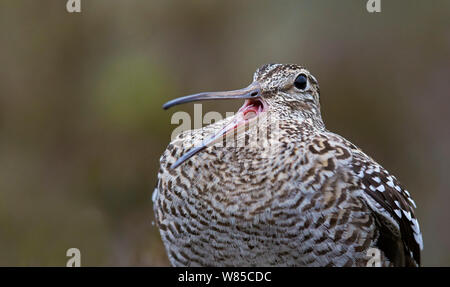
298	119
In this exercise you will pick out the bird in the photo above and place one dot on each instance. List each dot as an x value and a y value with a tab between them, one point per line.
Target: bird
271	186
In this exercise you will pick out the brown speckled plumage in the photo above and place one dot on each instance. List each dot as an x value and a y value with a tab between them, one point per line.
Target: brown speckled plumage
306	197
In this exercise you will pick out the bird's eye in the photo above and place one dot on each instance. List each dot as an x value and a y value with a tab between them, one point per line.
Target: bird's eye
301	82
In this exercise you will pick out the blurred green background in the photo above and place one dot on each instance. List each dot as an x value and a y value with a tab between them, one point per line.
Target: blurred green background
82	129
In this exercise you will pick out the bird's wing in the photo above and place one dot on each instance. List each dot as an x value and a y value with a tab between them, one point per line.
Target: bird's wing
391	203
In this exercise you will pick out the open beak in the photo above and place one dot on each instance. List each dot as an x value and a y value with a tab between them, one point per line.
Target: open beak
244	118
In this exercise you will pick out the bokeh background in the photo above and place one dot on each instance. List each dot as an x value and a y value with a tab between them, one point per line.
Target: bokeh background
82	129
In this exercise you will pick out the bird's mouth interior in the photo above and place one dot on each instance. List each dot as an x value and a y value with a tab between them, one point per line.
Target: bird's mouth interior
252	108
245	118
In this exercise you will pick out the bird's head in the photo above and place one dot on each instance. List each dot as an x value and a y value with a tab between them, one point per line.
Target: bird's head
284	90
287	87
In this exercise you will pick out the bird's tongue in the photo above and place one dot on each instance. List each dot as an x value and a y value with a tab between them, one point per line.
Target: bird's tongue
249	110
